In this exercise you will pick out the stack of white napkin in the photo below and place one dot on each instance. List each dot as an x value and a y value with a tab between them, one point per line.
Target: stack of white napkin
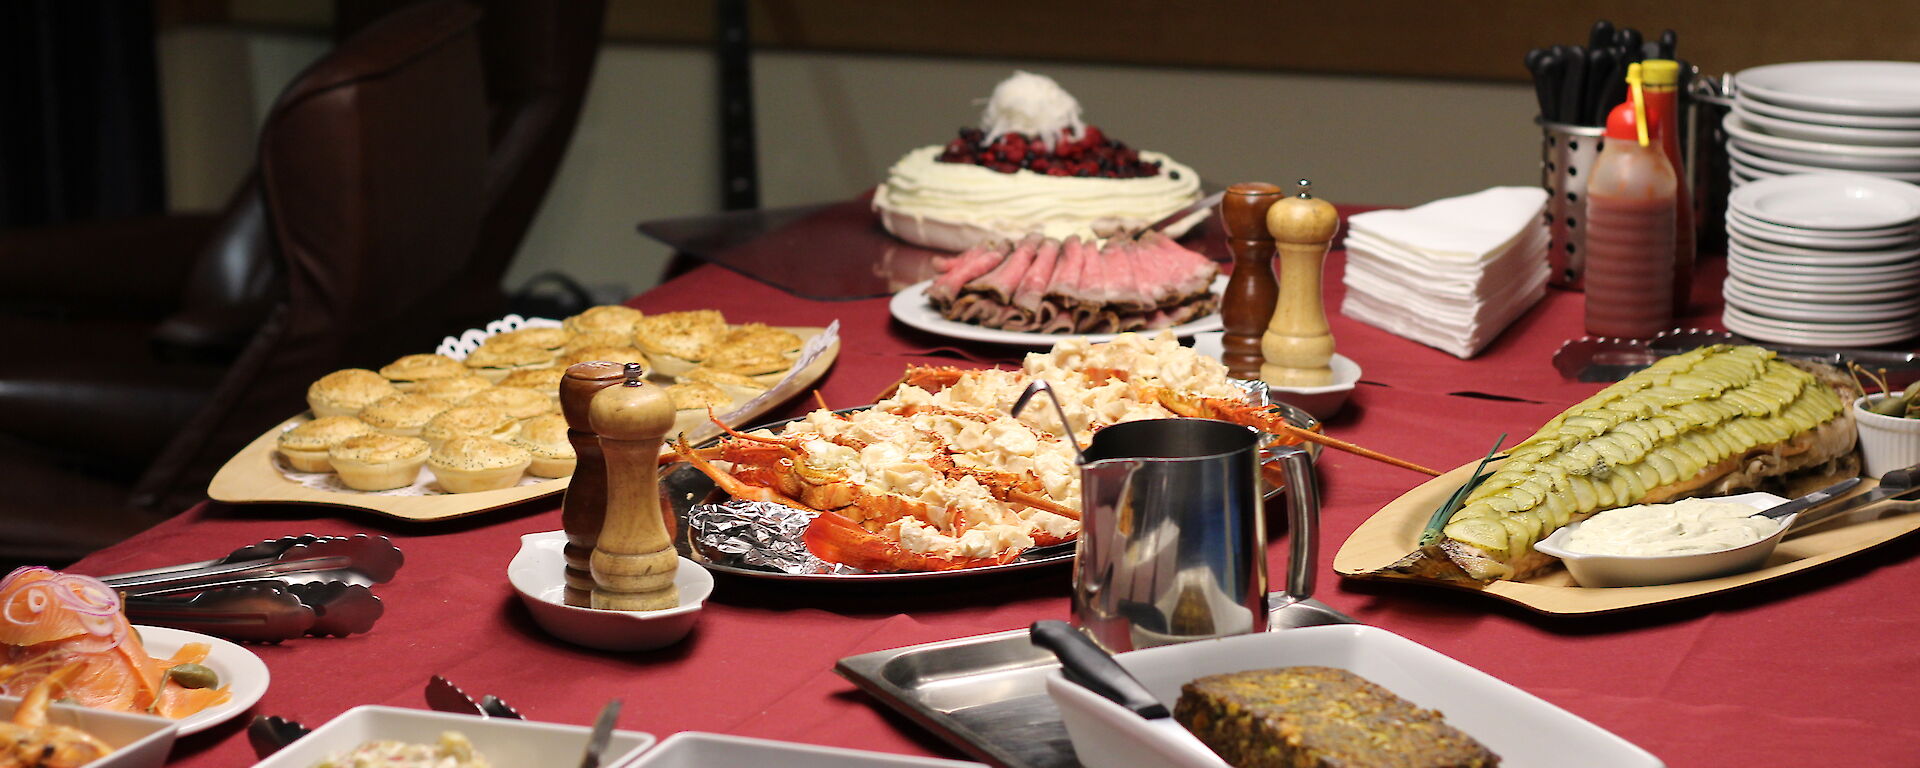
1453	273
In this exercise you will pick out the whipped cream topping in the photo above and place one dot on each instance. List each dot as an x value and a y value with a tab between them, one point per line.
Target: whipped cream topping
1033	105
1012	205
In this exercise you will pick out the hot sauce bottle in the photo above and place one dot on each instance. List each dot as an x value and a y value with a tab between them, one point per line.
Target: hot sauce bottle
1631	205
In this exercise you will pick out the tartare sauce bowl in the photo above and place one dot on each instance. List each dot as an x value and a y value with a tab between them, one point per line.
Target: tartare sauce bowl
1592	570
537	573
1887	443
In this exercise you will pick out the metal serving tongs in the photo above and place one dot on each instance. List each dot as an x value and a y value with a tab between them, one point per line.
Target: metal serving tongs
1600	359
270	591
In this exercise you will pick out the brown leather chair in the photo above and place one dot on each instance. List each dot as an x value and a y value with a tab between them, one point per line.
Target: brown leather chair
357	240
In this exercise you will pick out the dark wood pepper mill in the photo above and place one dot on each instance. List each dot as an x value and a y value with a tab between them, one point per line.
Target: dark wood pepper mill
585	506
633	561
1252	291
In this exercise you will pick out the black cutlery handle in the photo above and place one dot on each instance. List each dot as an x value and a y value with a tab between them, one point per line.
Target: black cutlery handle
1574	89
1601	36
1090	666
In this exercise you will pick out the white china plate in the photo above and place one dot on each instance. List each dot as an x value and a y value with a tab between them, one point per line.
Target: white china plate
1830	201
1822	242
244	674
1907	230
1323	401
1751	164
1851	156
692	749
1818	257
1520	727
1885	275
910	306
1754	327
1850	87
1818	293
1805	309
1758	106
504	741
1793	129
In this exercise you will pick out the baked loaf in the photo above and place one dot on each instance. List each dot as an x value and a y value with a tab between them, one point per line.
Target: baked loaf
1319	717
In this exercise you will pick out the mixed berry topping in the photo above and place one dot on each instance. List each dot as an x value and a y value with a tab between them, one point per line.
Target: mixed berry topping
1090	155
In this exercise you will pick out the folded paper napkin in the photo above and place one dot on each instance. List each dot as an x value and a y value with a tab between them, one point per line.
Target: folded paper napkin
1451	274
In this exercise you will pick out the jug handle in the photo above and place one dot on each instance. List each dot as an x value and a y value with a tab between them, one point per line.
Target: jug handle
1303	505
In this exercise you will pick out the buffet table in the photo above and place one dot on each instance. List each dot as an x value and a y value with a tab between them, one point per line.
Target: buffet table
1805	670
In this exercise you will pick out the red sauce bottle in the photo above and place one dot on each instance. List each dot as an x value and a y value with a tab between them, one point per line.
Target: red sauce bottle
1630	234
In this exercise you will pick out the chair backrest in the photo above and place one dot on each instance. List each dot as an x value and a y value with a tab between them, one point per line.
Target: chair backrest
372	171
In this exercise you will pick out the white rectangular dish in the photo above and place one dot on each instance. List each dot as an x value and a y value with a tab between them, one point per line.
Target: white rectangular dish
503	741
692	749
1522	729
138	741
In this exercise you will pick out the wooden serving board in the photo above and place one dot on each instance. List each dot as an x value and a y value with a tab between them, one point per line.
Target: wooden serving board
1394	531
250	477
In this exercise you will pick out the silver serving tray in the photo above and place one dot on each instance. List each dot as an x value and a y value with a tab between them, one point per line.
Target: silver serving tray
987	694
684	487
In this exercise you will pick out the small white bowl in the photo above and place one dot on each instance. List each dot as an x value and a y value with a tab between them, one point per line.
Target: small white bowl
138	741
1645	570
538	574
503	741
1323	402
1887	443
692	749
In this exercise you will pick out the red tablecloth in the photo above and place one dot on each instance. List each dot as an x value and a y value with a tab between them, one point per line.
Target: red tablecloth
1811	670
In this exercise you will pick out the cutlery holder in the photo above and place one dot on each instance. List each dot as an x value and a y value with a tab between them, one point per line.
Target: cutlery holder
1707	165
1567	153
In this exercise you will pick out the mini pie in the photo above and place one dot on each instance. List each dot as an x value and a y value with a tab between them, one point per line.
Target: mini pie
608	354
722	378
305	446
612	318
698	396
410	371
686	335
590	339
545	437
469	464
546	381
403	414
453	389
470	420
758	336
550	339
378	462
517	402
747	360
496	361
345	392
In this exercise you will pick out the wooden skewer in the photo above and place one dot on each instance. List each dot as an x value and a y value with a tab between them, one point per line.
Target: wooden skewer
1334	442
633	561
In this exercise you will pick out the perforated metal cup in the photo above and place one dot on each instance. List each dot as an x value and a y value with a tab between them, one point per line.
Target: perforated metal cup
1567	153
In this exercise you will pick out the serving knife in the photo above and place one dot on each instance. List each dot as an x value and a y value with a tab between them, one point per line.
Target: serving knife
602	733
1900	484
1205	203
1810	500
1091	667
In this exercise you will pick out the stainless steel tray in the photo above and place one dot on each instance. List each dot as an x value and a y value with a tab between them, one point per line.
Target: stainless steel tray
987	694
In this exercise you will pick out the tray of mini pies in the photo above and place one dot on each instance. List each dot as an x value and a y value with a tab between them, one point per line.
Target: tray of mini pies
476	424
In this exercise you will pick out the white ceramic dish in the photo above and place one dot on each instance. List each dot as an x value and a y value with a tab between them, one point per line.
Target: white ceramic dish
1887	443
1520	727
1838	335
1818	257
503	741
1830	201
1812	293
1647	570
1850	87
692	749
537	574
1911	230
1849	156
1741	257
138	741
1877	137
1753	164
243	672
1322	402
1770	109
910	306
1801	308
1821	242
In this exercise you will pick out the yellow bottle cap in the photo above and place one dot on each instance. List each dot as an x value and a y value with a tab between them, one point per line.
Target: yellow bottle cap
1660	72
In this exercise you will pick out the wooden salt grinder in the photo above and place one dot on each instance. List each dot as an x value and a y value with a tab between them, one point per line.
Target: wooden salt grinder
1247	304
1297	344
633	561
585	504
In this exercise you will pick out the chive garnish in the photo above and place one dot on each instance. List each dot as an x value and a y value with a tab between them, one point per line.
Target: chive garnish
1432	532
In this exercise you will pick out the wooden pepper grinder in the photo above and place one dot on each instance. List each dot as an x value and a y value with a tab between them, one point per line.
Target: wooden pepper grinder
585	504
1247	305
633	561
1297	344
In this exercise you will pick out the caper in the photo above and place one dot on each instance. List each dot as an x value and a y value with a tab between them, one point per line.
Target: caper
1890	406
194	676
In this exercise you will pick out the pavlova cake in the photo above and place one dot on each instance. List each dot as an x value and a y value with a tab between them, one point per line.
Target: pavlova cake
1032	167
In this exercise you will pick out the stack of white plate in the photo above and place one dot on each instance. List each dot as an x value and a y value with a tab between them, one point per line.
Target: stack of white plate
1828	259
1825	116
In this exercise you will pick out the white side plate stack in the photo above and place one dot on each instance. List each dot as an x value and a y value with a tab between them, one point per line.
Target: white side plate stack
1826	259
1825	116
